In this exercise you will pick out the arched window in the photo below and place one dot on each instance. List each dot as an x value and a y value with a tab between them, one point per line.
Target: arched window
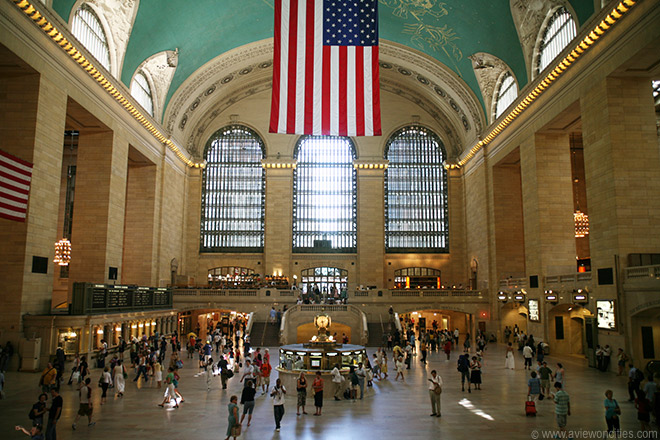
87	28
506	94
141	91
558	33
415	193
233	192
324	195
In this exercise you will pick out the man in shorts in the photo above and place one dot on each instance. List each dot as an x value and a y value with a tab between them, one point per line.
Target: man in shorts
562	406
546	375
85	409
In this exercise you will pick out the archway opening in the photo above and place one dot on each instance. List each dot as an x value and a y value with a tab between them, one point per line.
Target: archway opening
566	329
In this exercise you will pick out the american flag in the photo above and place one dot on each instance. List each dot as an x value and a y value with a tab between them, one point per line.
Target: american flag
15	177
325	69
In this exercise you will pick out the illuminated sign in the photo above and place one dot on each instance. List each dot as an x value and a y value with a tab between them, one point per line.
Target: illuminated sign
519	297
533	306
580	298
605	314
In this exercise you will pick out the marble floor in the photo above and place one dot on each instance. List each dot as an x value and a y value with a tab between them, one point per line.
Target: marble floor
389	410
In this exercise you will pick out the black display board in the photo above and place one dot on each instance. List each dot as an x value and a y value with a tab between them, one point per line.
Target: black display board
91	298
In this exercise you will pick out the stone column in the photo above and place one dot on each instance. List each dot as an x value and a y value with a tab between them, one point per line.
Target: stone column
33	113
547	194
98	223
278	230
622	169
371	222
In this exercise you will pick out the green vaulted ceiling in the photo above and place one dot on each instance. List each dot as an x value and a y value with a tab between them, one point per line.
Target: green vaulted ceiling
448	31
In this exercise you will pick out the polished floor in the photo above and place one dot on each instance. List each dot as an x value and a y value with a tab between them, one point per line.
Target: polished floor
389	410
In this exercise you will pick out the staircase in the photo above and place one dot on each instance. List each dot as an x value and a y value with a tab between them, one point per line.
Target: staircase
375	334
264	335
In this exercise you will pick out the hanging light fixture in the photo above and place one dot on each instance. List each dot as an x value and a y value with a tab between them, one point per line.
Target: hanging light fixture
62	252
580	218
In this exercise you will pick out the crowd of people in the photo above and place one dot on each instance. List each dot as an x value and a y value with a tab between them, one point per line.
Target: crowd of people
230	355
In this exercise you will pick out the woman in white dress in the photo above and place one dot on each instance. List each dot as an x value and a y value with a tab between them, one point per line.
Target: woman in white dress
120	382
510	362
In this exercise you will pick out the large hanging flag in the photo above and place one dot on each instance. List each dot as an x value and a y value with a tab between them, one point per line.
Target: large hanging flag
15	178
325	69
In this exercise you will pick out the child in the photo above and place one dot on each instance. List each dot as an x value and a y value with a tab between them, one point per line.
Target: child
158	373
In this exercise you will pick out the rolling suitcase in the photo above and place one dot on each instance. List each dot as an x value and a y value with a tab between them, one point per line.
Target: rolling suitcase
530	408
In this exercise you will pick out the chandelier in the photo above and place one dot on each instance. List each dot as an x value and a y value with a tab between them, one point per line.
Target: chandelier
580	218
62	252
581	223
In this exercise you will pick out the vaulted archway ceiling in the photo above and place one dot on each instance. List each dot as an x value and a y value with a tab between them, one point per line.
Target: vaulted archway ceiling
448	32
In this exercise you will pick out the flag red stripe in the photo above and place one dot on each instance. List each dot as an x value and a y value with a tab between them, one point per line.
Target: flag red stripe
275	101
15	169
4	195
15	159
376	90
14	179
14	188
309	68
359	91
16	209
293	68
326	106
343	93
12	217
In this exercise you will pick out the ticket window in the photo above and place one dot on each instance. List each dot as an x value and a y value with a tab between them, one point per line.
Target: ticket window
315	361
69	340
332	359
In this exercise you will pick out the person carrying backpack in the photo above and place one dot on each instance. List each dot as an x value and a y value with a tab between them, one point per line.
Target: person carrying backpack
464	368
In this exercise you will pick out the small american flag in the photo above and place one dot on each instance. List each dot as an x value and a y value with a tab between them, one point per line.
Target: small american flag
325	69
15	177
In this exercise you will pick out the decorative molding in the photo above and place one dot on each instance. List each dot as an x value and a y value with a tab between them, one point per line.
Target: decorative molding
489	69
279	163
81	56
247	70
370	164
528	18
118	17
160	69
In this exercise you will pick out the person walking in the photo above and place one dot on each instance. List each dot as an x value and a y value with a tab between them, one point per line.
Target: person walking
533	388
560	375
232	419
336	382
475	373
54	413
265	374
400	367
48	378
120	378
612	412
170	393
247	400
105	381
422	349
509	362
635	377
317	386
622	358
545	374
562	407
435	392
301	389
528	354
86	408
362	375
278	402
463	366
38	410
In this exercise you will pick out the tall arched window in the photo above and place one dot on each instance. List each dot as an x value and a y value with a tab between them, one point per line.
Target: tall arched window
87	28
558	33
141	91
233	192
415	193
506	94
324	195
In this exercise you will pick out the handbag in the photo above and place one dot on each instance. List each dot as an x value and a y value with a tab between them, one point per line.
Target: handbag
437	389
76	376
236	430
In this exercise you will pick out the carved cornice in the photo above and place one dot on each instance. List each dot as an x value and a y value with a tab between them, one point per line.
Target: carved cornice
247	70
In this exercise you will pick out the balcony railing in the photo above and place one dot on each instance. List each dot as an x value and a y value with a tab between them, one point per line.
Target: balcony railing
643	272
513	283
